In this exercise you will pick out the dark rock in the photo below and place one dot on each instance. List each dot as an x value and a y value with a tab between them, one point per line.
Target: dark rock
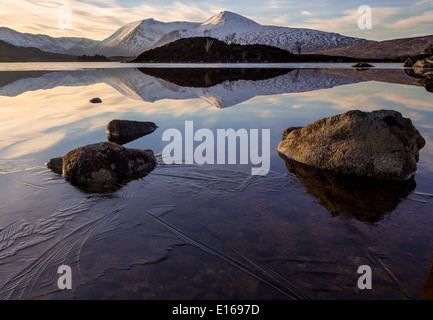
56	165
288	130
381	144
411	61
96	100
427	52
364	199
123	131
104	164
421	68
362	65
424	64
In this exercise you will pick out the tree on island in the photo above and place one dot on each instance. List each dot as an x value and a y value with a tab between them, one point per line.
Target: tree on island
95	58
298	46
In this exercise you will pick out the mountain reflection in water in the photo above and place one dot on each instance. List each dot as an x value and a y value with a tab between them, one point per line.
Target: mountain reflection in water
220	87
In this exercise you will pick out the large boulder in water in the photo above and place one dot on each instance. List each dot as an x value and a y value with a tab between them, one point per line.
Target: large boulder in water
102	163
381	144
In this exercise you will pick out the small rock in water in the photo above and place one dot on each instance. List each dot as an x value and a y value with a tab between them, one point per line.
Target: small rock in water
362	65
103	163
381	144
96	100
421	68
124	131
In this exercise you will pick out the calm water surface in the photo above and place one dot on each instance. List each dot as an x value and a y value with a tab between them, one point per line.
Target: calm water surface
213	231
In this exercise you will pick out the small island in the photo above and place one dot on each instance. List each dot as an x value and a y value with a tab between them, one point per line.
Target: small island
210	50
95	58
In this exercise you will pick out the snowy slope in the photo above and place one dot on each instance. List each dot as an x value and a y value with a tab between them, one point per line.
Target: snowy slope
233	28
72	46
136	37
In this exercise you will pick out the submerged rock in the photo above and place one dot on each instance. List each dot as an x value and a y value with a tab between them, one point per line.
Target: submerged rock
96	100
362	65
123	131
103	163
381	144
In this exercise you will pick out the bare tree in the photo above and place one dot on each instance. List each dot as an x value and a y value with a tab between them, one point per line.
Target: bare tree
298	46
230	38
209	44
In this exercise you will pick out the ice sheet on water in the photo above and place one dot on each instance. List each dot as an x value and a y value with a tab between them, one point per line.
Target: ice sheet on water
268	228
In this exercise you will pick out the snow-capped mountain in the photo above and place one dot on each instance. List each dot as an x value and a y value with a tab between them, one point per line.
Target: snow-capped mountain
71	46
137	37
233	28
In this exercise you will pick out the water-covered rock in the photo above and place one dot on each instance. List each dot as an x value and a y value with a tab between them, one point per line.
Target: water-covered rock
124	131
96	100
103	163
381	144
362	65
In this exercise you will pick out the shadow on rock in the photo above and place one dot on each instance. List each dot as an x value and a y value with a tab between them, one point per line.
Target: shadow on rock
124	131
364	199
103	167
104	188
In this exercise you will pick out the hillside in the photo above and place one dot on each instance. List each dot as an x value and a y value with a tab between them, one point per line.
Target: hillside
233	28
209	50
133	38
389	49
11	53
66	45
203	49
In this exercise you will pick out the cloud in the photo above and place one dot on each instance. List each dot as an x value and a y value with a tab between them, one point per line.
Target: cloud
96	19
388	22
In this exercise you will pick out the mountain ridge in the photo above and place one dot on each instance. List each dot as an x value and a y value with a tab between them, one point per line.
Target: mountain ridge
391	49
11	53
134	38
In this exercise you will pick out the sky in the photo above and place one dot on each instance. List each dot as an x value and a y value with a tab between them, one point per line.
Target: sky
98	19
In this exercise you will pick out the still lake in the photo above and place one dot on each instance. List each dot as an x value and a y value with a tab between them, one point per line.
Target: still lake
209	231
